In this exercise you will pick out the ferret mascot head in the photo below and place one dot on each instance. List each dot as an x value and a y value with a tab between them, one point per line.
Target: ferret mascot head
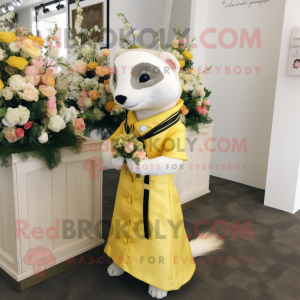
145	79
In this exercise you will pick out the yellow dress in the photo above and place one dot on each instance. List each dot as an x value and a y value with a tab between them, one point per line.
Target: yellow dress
165	259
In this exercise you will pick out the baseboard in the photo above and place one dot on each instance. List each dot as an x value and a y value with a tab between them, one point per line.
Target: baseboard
64	266
194	202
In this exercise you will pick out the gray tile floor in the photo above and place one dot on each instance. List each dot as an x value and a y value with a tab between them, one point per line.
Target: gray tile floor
268	266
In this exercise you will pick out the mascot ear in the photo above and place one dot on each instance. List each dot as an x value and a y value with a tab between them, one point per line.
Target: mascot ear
171	61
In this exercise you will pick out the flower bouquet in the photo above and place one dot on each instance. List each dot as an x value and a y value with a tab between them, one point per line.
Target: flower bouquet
32	121
128	146
89	77
194	94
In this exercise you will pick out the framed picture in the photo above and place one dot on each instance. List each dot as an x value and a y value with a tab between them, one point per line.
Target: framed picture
294	54
95	12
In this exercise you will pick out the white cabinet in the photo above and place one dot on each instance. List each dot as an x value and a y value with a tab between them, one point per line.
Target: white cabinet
43	213
192	181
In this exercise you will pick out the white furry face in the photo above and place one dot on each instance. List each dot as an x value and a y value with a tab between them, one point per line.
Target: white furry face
145	81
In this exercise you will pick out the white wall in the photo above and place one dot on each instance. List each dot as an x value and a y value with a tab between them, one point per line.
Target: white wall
180	14
242	105
283	180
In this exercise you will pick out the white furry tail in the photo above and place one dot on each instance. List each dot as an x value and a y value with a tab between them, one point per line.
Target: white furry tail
205	243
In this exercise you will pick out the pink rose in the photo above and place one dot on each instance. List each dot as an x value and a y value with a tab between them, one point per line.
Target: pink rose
140	154
98	57
182	41
38	62
80	102
207	102
199	109
52	71
182	47
19	132
31	70
129	147
204	111
79	126
107	89
47	91
84	94
51	103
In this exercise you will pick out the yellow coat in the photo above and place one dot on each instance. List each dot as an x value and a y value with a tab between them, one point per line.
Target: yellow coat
165	259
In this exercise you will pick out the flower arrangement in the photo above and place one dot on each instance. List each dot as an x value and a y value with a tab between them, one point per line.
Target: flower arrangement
32	120
89	78
194	94
128	146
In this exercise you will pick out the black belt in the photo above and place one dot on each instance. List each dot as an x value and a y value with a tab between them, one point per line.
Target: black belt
168	123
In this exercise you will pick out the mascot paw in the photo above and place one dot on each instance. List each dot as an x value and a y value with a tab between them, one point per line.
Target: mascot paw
118	163
114	270
157	293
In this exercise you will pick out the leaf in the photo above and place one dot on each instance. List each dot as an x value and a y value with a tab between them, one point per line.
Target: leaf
3	112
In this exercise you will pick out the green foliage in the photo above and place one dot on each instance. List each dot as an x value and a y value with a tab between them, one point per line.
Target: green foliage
48	153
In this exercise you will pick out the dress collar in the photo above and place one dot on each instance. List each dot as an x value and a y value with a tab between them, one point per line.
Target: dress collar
152	121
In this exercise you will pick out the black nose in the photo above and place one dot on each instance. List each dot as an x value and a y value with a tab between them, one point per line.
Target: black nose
121	99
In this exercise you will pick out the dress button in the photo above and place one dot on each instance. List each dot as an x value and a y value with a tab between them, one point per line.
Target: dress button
125	242
143	128
129	200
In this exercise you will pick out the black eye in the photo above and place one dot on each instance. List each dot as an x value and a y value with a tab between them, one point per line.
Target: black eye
144	78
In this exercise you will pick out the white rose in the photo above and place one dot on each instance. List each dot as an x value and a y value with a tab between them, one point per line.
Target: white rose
7	93
53	52
14	47
176	54
86	50
24	115
16	82
30	93
56	123
74	113
88	102
16	116
136	33
11	117
43	138
2	54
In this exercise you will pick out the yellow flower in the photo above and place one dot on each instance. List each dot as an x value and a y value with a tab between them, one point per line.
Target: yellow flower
92	65
110	105
1	85
31	48
36	39
181	88
188	55
7	37
182	63
18	62
135	47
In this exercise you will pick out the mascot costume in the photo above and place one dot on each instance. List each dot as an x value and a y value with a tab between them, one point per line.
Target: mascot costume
147	237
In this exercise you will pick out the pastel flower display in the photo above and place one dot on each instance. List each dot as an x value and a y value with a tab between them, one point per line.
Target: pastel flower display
32	97
194	94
